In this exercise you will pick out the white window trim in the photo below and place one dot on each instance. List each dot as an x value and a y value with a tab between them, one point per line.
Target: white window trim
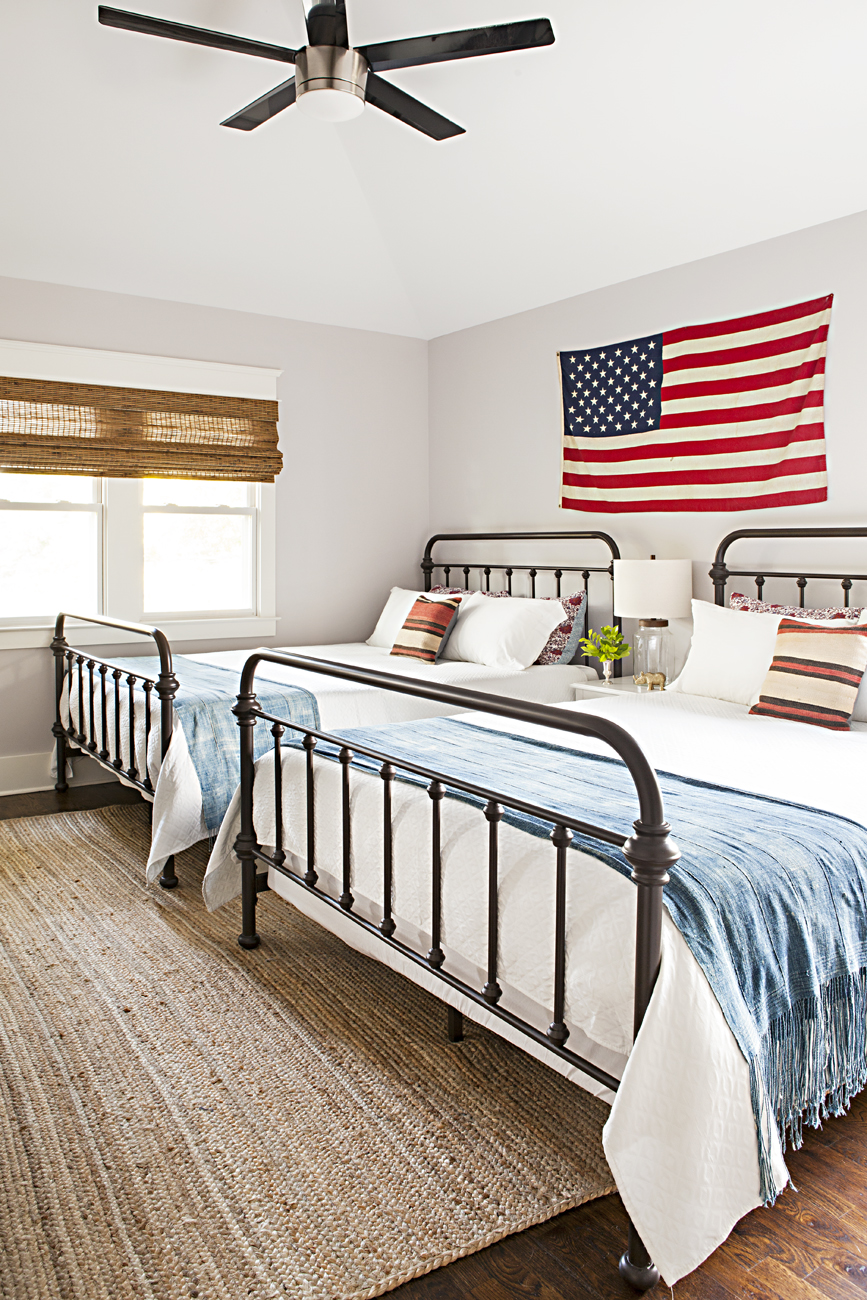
132	370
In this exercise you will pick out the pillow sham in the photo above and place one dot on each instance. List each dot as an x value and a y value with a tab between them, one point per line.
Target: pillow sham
815	673
502	633
729	654
739	601
563	643
393	616
426	629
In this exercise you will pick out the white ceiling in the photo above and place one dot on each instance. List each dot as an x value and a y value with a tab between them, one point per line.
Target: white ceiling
653	132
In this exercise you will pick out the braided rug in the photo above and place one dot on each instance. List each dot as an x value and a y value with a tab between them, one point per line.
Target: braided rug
180	1118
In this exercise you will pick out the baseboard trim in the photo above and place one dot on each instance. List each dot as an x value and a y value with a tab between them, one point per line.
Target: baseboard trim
26	773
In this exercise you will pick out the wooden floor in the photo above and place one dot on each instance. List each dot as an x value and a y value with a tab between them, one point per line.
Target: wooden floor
812	1244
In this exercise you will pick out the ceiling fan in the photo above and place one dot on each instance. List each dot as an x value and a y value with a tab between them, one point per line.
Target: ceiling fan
334	81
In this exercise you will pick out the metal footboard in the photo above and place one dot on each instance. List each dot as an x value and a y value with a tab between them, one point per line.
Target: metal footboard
100	686
649	851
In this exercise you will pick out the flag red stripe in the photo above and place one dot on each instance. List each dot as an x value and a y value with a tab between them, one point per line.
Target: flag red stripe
739	323
749	352
705	505
679	477
737	414
712	447
744	383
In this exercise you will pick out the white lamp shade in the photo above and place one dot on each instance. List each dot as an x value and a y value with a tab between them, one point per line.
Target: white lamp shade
652	588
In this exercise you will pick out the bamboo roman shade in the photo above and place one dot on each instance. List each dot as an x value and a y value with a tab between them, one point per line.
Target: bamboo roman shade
59	428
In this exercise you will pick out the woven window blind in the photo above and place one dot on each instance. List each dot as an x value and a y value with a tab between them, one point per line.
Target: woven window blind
60	428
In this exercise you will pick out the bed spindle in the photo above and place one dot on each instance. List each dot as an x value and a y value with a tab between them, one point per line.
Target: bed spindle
846	584
801	584
148	687
310	876
561	837
70	659
447	568
558	574
346	899
509	572
132	770
277	732
386	925
103	753
494	813
760	583
436	956
532	573
487	573
91	742
117	761
466	573
79	659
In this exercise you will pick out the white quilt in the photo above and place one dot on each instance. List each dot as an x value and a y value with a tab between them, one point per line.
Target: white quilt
680	1138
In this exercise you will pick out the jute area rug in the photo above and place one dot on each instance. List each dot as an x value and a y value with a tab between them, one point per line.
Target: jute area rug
181	1118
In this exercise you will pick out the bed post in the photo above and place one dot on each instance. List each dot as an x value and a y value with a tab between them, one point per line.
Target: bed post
245	843
719	570
649	852
59	647
167	688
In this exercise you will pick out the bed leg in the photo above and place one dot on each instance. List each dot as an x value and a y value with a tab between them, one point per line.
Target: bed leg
456	1025
60	735
168	879
248	938
636	1266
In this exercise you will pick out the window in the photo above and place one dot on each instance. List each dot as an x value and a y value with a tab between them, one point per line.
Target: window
194	556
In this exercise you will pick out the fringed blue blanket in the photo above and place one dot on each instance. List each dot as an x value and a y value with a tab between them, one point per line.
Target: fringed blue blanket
203	706
770	896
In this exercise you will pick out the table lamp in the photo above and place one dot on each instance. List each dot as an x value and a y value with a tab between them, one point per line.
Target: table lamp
653	591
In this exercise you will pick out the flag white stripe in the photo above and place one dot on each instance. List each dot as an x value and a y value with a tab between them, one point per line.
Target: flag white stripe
743	369
746	338
725	460
699	491
702	433
753	397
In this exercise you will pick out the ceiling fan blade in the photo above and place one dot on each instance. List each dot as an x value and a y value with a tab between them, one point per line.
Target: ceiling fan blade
193	35
412	51
269	105
382	94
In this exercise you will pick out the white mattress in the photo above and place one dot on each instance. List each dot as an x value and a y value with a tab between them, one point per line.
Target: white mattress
177	819
681	1138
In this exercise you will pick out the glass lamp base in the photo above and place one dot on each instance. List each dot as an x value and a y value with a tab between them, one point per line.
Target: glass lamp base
653	655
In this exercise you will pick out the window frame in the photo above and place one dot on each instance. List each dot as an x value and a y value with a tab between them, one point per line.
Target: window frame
120	512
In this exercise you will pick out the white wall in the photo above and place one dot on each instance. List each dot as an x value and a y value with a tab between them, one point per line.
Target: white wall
494	394
351	500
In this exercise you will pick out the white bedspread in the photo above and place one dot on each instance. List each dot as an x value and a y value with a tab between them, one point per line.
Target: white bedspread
177	819
680	1138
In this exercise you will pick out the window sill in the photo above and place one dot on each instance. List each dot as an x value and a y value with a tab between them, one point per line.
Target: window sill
188	629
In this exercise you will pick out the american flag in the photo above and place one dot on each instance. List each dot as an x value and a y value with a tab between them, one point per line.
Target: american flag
726	416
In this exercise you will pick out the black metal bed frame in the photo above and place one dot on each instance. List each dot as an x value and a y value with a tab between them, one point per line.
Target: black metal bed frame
96	743
649	851
428	565
94	738
720	572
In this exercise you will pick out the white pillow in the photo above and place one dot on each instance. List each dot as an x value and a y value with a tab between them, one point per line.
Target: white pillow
730	654
394	615
859	713
502	633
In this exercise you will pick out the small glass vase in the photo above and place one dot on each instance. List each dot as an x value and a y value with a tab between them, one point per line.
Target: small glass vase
607	667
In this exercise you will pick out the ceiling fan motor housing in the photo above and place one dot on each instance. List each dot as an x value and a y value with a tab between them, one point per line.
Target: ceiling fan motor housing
330	67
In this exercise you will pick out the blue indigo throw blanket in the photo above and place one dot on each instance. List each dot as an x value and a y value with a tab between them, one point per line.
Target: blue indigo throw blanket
203	706
770	896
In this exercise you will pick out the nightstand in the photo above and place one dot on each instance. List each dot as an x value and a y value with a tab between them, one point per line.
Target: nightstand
619	686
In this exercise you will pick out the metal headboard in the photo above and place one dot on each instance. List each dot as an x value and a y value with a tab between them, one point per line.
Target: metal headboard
429	564
720	572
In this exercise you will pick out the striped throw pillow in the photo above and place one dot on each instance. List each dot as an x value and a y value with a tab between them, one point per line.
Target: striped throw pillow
426	629
815	674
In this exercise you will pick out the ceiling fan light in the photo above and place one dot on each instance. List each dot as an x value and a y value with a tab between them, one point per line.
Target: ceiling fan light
331	105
